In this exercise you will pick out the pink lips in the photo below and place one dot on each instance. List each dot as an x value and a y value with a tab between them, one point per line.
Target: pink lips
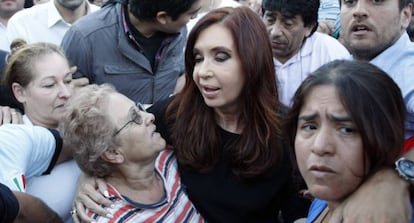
209	91
321	168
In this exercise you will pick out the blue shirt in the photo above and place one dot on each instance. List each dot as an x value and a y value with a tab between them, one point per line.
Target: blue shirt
318	205
398	61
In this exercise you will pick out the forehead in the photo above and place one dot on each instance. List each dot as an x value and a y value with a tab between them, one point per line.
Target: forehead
50	64
283	14
215	35
323	98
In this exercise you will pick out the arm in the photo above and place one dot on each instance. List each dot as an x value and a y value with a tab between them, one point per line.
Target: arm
384	197
91	193
34	210
78	52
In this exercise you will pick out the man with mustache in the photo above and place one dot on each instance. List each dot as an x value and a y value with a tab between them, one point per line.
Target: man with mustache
297	49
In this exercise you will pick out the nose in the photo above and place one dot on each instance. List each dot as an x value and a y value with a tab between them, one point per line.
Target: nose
65	91
323	143
360	9
204	69
275	29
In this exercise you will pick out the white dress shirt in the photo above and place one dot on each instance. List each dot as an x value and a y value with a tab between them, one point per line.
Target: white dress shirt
40	23
315	52
4	42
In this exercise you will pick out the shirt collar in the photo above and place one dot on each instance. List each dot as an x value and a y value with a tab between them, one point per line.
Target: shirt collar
54	16
399	46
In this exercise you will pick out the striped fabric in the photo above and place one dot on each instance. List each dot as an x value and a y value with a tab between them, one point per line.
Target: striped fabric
173	207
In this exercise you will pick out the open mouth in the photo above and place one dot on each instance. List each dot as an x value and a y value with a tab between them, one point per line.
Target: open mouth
360	28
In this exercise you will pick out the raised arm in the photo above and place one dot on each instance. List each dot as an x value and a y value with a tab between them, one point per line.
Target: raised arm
385	197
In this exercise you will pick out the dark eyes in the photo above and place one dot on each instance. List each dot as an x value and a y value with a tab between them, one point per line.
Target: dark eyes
219	57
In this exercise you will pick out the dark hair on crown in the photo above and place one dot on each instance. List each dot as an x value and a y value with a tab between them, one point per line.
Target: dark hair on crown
146	10
307	9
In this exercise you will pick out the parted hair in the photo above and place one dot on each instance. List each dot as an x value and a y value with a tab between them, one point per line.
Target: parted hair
195	133
20	63
373	101
87	129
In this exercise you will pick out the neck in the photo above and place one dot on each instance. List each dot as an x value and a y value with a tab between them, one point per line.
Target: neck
4	20
50	124
138	182
229	120
72	15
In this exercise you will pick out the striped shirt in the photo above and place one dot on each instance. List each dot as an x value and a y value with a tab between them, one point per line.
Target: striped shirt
174	206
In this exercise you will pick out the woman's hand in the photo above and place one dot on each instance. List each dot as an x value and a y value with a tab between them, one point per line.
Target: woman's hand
10	115
92	194
384	197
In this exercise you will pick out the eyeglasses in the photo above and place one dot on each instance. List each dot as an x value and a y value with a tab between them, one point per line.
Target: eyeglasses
135	117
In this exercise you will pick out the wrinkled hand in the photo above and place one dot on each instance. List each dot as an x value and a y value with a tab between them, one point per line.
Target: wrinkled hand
384	197
91	194
10	115
326	27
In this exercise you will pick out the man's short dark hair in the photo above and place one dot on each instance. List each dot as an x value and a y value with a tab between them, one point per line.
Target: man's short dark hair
308	9
147	10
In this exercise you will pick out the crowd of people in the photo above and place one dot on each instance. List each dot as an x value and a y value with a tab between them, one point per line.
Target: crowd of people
206	111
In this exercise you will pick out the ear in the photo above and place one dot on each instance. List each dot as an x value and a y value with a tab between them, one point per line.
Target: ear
113	156
308	30
406	15
162	17
19	92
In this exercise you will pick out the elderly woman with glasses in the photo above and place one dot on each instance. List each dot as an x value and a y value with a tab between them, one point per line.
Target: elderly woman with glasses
115	139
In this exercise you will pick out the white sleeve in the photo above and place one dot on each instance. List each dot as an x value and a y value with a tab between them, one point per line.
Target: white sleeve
16	28
25	151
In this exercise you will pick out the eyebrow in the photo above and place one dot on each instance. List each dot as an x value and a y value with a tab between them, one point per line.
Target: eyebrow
307	117
214	49
334	118
337	118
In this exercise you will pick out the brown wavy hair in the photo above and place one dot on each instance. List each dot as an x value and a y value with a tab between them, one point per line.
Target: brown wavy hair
195	133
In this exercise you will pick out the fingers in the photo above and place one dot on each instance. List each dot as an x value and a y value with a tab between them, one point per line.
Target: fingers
89	197
16	117
102	187
73	214
80	213
326	27
10	115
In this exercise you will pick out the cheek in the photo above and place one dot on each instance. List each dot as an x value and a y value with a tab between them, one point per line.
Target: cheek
302	153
